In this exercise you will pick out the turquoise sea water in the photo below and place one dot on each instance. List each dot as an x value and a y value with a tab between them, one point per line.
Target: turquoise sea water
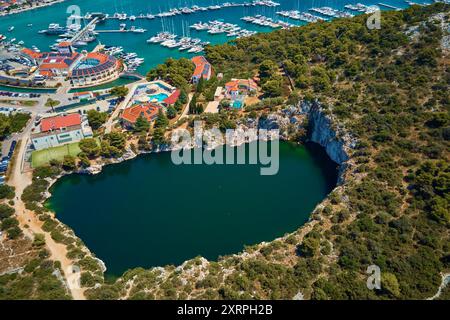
132	42
149	212
26	90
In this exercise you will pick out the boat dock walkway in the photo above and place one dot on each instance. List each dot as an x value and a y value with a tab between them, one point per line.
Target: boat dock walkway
388	6
116	31
84	30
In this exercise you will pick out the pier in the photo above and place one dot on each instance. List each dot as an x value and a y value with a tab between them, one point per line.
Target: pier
388	6
83	31
117	31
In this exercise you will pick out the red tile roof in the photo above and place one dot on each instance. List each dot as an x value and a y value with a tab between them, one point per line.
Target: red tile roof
65	44
59	122
202	67
173	97
58	61
236	84
102	58
31	53
82	93
148	111
46	73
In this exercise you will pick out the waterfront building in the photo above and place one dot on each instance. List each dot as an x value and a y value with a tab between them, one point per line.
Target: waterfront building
80	69
95	68
60	130
202	69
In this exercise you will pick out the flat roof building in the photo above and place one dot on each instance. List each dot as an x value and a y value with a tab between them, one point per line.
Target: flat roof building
60	130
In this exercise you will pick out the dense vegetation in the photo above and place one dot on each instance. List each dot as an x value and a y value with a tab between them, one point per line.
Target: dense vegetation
12	123
37	279
389	88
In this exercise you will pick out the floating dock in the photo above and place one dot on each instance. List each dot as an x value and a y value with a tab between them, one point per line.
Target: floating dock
117	31
388	6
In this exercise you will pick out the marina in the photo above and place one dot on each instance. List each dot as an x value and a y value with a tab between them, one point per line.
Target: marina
388	6
166	39
195	24
186	10
303	16
359	7
216	27
330	12
268	22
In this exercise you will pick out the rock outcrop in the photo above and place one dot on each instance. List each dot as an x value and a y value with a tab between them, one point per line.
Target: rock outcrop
324	131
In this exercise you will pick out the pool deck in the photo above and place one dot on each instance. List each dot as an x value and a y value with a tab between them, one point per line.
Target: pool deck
161	91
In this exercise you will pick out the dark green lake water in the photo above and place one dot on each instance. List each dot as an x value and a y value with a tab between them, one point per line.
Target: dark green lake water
149	212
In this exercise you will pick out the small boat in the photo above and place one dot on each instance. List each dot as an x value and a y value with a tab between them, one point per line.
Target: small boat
139	30
195	49
30	25
11	28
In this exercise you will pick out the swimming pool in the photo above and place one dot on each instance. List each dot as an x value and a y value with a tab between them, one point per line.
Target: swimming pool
159	97
237	104
88	63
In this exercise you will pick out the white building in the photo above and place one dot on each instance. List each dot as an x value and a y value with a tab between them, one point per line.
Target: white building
60	130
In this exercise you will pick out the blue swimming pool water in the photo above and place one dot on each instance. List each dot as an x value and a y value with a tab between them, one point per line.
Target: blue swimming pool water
237	104
159	97
88	63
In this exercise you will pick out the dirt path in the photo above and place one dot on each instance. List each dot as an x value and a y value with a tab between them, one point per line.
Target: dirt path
57	251
445	282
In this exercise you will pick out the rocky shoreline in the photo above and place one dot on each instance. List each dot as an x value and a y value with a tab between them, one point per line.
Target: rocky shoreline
21	10
335	141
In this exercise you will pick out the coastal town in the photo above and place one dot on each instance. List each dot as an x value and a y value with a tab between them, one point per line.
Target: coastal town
73	110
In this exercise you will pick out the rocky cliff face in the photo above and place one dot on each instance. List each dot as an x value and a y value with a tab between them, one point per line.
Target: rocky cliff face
324	131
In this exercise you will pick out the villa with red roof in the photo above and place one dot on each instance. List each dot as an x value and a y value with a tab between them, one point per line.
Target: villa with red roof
203	69
60	130
130	115
238	87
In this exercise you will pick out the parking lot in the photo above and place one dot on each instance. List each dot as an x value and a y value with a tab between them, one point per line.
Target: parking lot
19	94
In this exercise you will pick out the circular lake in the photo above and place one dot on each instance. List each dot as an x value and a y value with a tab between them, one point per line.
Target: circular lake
149	212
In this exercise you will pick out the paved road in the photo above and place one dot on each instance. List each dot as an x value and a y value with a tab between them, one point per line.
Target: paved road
112	119
212	107
58	252
185	112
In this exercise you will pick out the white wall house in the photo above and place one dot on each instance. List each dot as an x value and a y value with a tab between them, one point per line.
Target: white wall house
60	130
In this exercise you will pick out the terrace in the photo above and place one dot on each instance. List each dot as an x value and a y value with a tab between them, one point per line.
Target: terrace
156	92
